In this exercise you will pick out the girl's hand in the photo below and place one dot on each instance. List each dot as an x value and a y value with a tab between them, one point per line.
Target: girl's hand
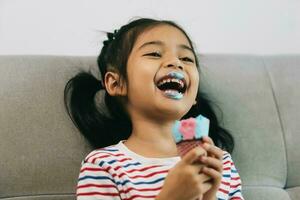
213	167
184	180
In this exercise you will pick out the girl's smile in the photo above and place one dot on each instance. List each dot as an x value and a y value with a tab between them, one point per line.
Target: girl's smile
173	85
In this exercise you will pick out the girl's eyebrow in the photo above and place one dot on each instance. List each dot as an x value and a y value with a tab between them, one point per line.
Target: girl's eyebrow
160	43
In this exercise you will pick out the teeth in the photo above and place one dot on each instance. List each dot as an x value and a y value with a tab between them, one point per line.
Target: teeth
180	82
172	92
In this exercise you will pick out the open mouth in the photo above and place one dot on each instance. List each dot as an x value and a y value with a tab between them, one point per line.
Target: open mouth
173	85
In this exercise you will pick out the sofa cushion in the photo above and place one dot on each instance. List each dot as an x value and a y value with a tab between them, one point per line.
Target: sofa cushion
265	193
241	87
40	148
294	193
284	73
43	197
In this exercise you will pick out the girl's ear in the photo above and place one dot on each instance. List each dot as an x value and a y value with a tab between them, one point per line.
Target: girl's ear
114	85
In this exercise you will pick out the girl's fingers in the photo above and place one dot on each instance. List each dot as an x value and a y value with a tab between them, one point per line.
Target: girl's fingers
217	176
206	186
193	155
213	150
208	144
200	197
208	140
204	177
212	163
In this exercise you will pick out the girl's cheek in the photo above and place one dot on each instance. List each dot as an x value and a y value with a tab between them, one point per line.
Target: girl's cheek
195	78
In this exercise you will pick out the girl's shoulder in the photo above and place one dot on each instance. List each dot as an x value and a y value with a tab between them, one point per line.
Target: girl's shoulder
226	155
229	167
103	155
227	159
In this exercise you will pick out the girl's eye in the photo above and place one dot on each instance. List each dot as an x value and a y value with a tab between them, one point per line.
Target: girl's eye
153	54
187	59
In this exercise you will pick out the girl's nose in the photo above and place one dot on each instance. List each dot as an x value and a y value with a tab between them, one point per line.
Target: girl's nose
174	63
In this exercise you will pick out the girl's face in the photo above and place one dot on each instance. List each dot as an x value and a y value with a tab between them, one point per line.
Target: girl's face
162	74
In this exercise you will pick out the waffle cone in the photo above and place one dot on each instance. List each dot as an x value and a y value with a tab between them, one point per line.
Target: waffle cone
187	145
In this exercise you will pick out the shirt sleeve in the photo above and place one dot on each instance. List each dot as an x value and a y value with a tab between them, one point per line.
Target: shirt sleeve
235	191
95	183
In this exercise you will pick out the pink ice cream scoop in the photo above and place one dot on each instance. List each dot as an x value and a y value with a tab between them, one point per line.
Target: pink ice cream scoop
188	133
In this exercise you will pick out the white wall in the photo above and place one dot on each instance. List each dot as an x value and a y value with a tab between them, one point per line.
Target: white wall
71	27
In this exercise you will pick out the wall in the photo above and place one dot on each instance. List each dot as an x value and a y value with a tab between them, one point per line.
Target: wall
72	27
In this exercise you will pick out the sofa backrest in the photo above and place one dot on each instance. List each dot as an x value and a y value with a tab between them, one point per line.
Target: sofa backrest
41	150
259	96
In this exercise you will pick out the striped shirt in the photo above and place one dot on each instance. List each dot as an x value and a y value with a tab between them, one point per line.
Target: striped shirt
115	173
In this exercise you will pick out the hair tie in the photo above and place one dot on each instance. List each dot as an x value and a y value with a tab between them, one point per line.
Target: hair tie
110	37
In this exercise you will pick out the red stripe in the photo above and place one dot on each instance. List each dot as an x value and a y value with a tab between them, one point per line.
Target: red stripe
235	198
132	170
124	159
141	190
228	161
96	185
143	196
91	169
116	168
235	178
226	168
105	156
92	155
98	193
106	153
224	191
142	169
225	183
235	186
99	157
141	176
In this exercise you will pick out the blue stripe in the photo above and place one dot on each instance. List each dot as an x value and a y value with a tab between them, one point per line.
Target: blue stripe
234	171
226	175
101	163
111	150
137	163
142	182
231	194
221	199
95	177
224	158
112	161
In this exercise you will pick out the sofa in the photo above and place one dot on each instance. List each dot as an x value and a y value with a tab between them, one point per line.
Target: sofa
256	97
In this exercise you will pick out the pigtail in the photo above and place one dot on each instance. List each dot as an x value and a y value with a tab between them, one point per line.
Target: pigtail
97	127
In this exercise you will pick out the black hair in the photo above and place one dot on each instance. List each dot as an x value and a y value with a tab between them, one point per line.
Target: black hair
103	129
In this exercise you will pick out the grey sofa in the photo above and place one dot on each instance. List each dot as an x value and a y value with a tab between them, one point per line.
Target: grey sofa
41	149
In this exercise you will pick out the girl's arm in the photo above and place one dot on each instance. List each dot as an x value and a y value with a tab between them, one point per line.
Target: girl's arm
235	192
95	183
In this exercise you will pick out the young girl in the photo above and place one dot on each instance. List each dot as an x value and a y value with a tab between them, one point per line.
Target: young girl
135	155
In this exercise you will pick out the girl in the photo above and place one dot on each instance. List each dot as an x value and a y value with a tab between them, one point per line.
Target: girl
135	156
